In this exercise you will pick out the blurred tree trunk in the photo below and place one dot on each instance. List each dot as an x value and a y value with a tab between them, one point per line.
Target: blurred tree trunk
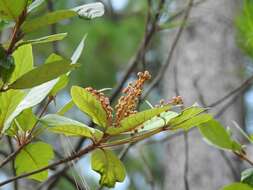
206	54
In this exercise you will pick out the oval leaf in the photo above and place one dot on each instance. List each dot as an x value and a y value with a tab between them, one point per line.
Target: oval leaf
216	135
32	157
68	127
42	74
107	164
89	104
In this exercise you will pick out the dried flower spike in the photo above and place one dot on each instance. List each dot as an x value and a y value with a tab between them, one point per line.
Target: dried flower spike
127	104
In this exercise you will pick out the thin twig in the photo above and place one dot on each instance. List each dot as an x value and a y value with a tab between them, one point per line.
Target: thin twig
165	66
15	184
140	52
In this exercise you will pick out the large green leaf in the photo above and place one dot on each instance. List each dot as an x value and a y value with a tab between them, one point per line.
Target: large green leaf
45	39
8	102
109	166
42	74
68	127
216	135
134	121
26	120
23	57
237	186
88	11
47	19
89	104
247	176
34	156
11	9
34	97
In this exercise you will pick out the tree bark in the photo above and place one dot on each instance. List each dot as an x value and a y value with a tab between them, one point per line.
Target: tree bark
208	56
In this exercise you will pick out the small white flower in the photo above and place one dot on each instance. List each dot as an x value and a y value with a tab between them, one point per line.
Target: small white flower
91	10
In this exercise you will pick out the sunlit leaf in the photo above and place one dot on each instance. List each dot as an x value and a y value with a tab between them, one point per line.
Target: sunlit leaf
34	156
89	104
68	127
23	57
66	108
8	102
134	121
107	164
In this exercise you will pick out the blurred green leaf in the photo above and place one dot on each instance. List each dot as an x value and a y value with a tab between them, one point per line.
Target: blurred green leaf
89	104
134	121
244	25
34	156
108	166
63	125
247	176
11	9
34	5
45	39
26	120
42	74
47	19
216	135
237	186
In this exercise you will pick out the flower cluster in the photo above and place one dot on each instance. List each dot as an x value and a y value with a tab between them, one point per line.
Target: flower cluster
105	103
127	104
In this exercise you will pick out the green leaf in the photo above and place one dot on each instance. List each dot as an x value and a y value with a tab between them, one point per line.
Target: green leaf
34	5
134	121
45	39
8	102
78	51
108	166
66	108
89	104
247	176
61	84
158	122
34	97
23	57
42	74
11	9
187	117
34	156
68	127
87	11
26	120
47	19
237	186
216	135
